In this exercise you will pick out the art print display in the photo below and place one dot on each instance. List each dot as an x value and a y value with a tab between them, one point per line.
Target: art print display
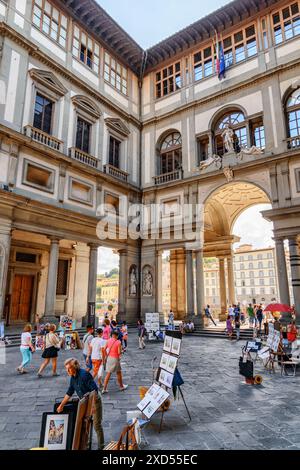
152	401
56	433
168	363
70	341
66	322
39	342
168	343
166	378
176	346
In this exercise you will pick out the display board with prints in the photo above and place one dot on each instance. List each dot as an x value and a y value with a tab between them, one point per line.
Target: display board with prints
157	394
152	325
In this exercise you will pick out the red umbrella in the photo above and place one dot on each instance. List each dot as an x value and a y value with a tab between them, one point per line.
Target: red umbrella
278	308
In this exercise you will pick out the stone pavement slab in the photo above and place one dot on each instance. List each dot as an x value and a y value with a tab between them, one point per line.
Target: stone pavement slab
226	413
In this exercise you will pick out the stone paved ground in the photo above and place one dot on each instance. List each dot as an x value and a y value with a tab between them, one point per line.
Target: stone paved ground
226	413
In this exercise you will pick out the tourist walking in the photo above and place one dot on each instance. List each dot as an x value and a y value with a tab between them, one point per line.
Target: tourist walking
82	383
237	325
229	328
208	314
259	317
124	331
52	345
88	337
96	354
106	329
141	334
26	349
113	362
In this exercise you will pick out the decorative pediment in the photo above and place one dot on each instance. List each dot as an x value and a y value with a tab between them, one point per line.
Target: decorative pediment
47	81
86	107
118	126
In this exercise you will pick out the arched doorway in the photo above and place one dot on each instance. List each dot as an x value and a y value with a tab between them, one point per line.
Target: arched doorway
222	208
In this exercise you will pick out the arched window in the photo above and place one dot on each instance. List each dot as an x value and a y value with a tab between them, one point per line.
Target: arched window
170	156
293	118
236	121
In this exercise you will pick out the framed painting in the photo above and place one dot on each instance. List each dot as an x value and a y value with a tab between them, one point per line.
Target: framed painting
56	431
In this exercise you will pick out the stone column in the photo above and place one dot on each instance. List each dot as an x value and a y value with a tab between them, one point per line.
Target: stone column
52	281
199	288
93	269
222	287
123	275
295	268
282	275
181	296
173	280
5	241
190	284
230	277
158	279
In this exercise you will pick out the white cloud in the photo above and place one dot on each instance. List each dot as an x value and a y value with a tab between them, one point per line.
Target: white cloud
253	228
107	260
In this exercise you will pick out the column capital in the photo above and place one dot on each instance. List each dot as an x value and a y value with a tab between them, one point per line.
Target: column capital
123	252
54	240
93	246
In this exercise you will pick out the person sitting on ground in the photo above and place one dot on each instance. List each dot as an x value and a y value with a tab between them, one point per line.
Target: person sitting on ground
82	383
192	326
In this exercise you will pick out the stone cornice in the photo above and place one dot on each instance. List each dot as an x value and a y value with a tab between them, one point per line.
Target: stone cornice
266	161
34	51
250	82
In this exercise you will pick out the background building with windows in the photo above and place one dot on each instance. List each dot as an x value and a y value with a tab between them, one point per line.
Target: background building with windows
89	118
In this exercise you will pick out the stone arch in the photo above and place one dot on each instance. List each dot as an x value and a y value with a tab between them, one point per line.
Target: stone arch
225	203
163	136
224	110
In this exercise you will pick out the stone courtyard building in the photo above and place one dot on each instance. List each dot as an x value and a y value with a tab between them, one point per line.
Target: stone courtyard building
87	117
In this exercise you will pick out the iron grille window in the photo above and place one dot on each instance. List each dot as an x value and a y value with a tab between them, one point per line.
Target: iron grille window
43	113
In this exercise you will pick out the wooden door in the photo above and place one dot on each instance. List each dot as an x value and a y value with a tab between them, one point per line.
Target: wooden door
21	299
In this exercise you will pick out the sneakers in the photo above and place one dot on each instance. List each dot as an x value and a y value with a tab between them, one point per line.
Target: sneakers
124	388
39	375
55	375
104	391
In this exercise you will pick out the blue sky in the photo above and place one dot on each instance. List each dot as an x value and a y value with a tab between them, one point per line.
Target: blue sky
149	22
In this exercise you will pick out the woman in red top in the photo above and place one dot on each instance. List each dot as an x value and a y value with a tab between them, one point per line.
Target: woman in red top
113	361
292	332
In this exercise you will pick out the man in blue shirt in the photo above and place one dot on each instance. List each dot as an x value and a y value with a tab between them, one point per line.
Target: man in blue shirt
82	383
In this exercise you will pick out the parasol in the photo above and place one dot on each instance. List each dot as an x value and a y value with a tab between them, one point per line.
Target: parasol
278	308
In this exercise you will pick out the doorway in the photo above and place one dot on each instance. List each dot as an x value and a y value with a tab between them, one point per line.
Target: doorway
22	297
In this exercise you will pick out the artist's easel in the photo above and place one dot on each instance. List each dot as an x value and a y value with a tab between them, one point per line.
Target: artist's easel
164	411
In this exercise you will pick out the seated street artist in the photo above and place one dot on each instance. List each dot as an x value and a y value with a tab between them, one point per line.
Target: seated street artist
82	383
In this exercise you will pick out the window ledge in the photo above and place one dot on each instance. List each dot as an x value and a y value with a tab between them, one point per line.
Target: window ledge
116	172
43	138
83	157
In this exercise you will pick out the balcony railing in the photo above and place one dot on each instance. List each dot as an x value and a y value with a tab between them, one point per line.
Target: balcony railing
293	143
43	138
169	177
116	172
83	157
